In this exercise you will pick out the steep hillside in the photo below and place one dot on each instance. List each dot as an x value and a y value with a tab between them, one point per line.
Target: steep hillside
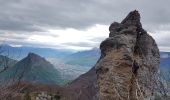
82	88
6	62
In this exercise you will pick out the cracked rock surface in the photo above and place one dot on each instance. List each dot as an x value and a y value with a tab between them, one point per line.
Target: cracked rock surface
129	62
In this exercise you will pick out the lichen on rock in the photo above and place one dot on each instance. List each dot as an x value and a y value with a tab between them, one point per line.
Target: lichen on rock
129	62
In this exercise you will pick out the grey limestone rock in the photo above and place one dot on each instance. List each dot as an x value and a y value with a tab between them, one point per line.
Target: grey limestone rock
129	62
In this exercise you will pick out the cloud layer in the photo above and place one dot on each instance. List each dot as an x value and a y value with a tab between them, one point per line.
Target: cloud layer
28	21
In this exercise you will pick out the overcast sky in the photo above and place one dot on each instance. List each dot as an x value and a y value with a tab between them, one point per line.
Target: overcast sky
77	24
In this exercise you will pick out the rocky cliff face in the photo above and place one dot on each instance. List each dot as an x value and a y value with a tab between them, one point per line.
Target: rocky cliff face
129	62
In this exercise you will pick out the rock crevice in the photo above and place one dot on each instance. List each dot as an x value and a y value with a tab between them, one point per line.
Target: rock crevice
129	62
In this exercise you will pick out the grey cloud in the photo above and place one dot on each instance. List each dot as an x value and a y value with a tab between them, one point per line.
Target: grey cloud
9	36
98	39
164	42
79	14
18	26
5	2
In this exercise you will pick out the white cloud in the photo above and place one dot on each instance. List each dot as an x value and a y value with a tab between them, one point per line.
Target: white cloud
69	37
163	39
61	38
74	39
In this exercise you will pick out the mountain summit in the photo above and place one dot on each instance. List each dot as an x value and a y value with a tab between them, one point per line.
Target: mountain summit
36	69
33	58
133	18
129	62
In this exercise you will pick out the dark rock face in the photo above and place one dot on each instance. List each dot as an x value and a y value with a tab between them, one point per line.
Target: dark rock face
129	62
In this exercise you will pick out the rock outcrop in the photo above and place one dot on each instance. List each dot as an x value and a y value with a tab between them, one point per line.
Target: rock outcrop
129	62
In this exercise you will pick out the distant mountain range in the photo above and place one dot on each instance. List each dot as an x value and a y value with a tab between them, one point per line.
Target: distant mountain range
69	64
82	58
21	52
57	66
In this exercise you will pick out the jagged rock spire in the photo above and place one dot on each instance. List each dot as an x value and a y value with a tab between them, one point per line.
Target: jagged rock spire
129	62
131	22
133	16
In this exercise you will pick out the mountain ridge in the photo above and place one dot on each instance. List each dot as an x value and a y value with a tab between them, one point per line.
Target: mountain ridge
36	69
